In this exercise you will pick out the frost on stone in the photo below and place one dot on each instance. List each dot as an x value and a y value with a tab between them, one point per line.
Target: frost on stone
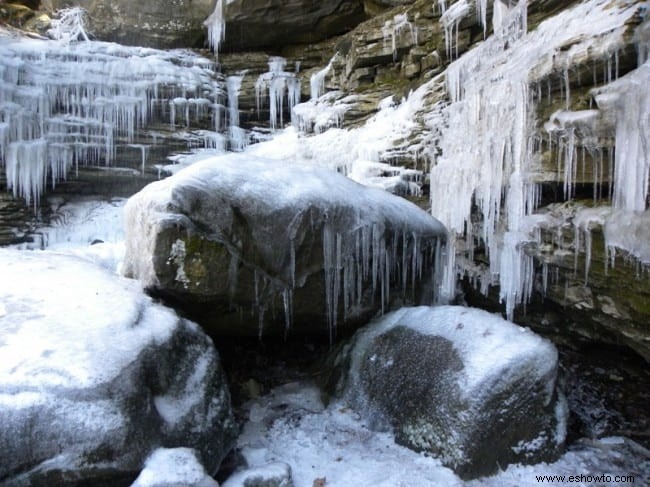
177	257
441	378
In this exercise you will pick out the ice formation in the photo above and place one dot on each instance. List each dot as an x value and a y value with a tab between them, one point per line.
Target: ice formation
69	26
238	136
317	80
216	24
450	20
393	29
497	85
279	84
64	104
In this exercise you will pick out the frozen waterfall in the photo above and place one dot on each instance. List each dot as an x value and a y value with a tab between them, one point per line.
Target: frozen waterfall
63	104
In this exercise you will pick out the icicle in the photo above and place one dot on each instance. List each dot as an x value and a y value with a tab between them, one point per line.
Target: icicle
278	83
631	106
216	25
393	28
450	20
317	80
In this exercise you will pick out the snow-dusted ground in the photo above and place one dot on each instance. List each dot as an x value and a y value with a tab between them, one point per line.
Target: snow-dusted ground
292	425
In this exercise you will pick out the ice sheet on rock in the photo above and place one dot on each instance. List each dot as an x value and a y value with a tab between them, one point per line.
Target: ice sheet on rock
67	310
629	231
173	467
490	348
385	137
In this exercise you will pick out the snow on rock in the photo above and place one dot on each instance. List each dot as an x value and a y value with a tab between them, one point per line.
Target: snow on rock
174	467
467	386
275	474
94	375
263	235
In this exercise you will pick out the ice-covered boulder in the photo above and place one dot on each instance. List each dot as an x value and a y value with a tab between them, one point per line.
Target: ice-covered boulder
94	376
248	245
465	385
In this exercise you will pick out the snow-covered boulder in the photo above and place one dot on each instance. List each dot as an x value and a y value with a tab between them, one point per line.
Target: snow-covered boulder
94	375
236	236
462	384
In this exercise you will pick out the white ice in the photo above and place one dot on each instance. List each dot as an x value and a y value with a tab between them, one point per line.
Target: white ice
67	310
173	467
291	425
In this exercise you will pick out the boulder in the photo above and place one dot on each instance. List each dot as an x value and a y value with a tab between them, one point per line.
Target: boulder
273	24
94	376
459	383
247	245
148	23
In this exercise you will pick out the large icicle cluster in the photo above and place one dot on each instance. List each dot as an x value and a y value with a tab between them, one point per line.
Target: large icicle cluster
490	150
216	24
279	84
64	104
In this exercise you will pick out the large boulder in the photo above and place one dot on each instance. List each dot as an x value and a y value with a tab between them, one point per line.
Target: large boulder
274	24
149	23
94	376
474	390
248	245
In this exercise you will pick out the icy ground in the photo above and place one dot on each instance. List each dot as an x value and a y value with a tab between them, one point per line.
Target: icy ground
292	425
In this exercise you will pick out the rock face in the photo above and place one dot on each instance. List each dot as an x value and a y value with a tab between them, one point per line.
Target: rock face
474	390
94	376
254	24
301	247
150	23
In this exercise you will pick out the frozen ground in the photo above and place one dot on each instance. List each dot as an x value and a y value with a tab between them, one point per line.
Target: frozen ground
292	425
